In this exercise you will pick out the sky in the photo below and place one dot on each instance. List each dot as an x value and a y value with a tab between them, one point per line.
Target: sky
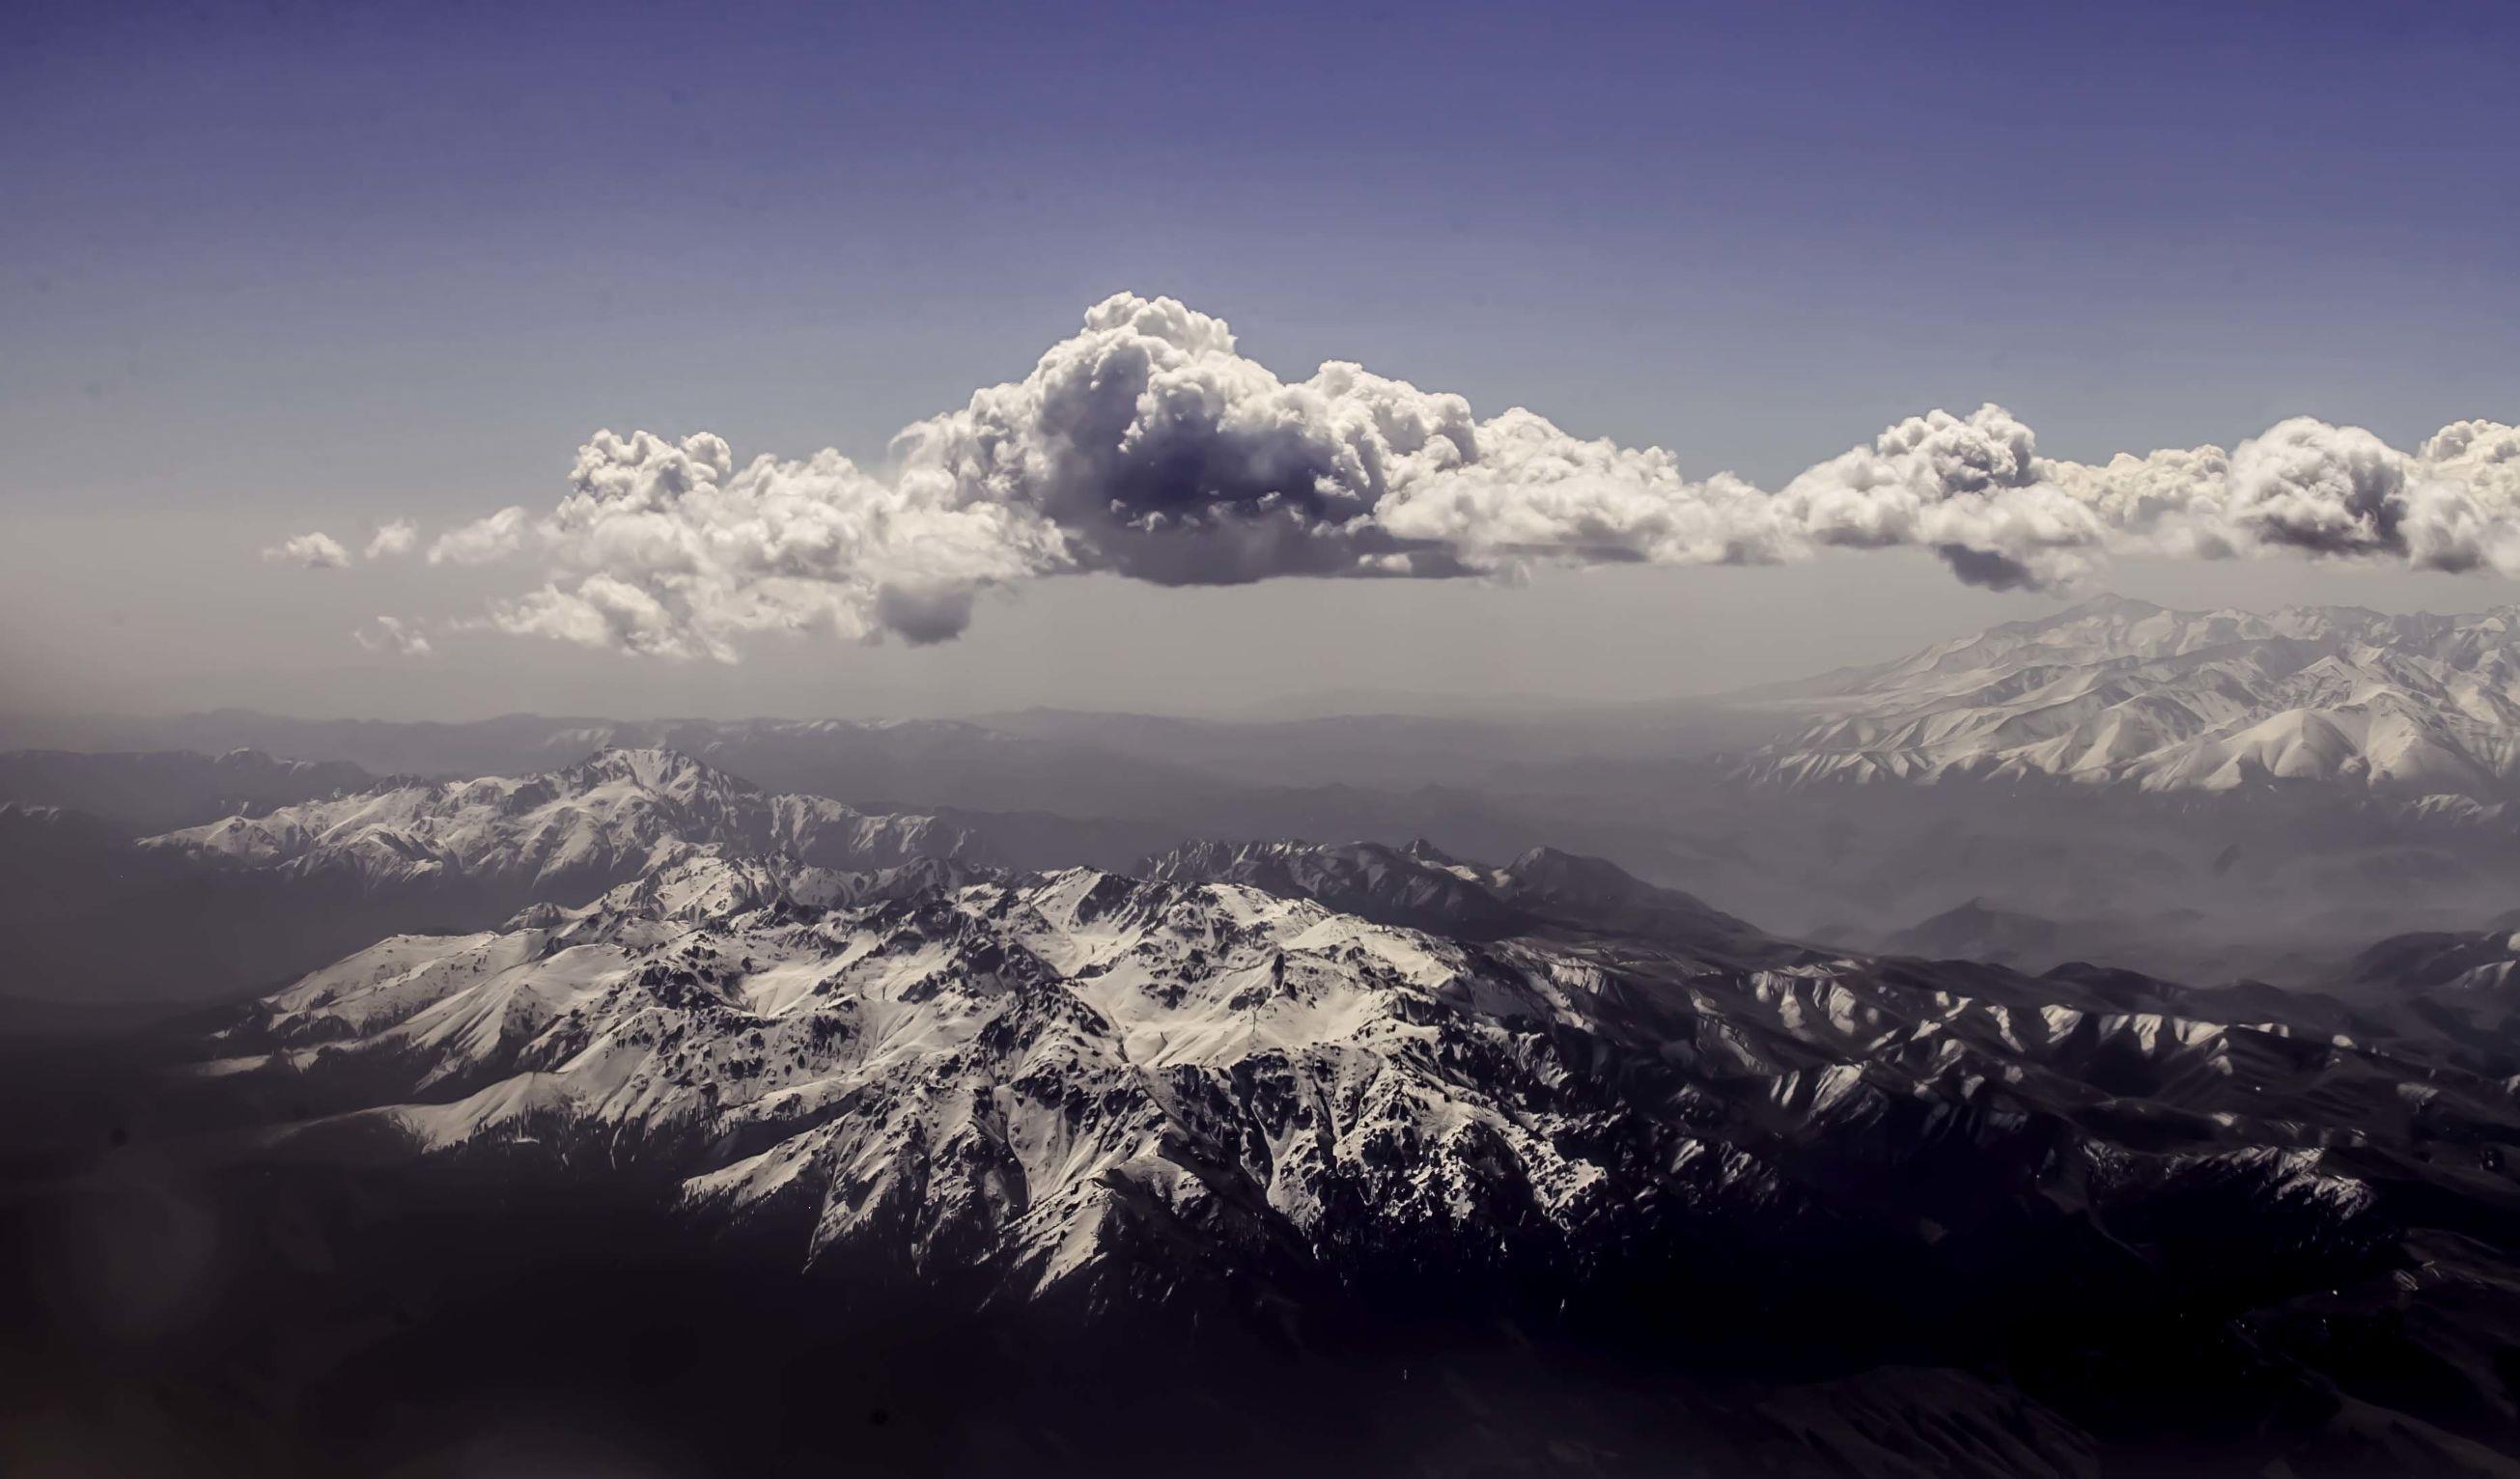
276	269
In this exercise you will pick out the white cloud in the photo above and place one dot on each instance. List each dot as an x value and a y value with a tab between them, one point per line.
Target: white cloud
314	551
1969	488
393	634
484	541
2305	488
395	536
1146	446
604	610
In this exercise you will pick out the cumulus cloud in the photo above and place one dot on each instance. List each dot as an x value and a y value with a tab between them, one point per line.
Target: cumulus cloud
604	610
395	536
393	634
1970	488
483	541
2305	488
313	550
1148	446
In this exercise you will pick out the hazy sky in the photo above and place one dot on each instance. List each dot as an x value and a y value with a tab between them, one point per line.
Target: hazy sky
275	269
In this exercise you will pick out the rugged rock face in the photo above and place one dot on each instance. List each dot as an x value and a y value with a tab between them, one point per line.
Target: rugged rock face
1051	1077
1120	1088
2119	692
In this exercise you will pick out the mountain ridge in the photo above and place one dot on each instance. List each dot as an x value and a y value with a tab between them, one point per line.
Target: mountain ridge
2122	693
609	815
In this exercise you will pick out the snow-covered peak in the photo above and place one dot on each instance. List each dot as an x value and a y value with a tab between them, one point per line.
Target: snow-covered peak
667	772
618	814
2117	691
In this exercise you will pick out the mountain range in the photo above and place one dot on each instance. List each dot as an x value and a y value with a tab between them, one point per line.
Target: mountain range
2123	693
2026	1223
2111	693
155	791
2199	794
256	898
1249	1075
615	814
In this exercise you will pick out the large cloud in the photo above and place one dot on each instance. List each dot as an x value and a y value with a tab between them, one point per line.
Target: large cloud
1146	446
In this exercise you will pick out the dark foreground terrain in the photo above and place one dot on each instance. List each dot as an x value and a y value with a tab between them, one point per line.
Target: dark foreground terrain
179	1305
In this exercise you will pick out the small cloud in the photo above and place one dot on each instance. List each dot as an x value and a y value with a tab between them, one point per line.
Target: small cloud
314	551
395	536
393	634
483	541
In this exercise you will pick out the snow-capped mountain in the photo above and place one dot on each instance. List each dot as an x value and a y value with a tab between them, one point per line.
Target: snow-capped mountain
2119	692
922	764
1129	1087
1037	1075
609	816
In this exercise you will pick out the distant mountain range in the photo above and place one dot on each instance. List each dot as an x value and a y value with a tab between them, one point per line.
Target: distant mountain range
2123	693
154	792
2202	794
210	910
2113	692
611	816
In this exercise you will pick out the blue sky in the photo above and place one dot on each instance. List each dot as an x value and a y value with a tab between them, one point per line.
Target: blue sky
304	266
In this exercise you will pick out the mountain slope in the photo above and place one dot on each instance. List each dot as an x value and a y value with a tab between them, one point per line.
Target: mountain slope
2118	691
